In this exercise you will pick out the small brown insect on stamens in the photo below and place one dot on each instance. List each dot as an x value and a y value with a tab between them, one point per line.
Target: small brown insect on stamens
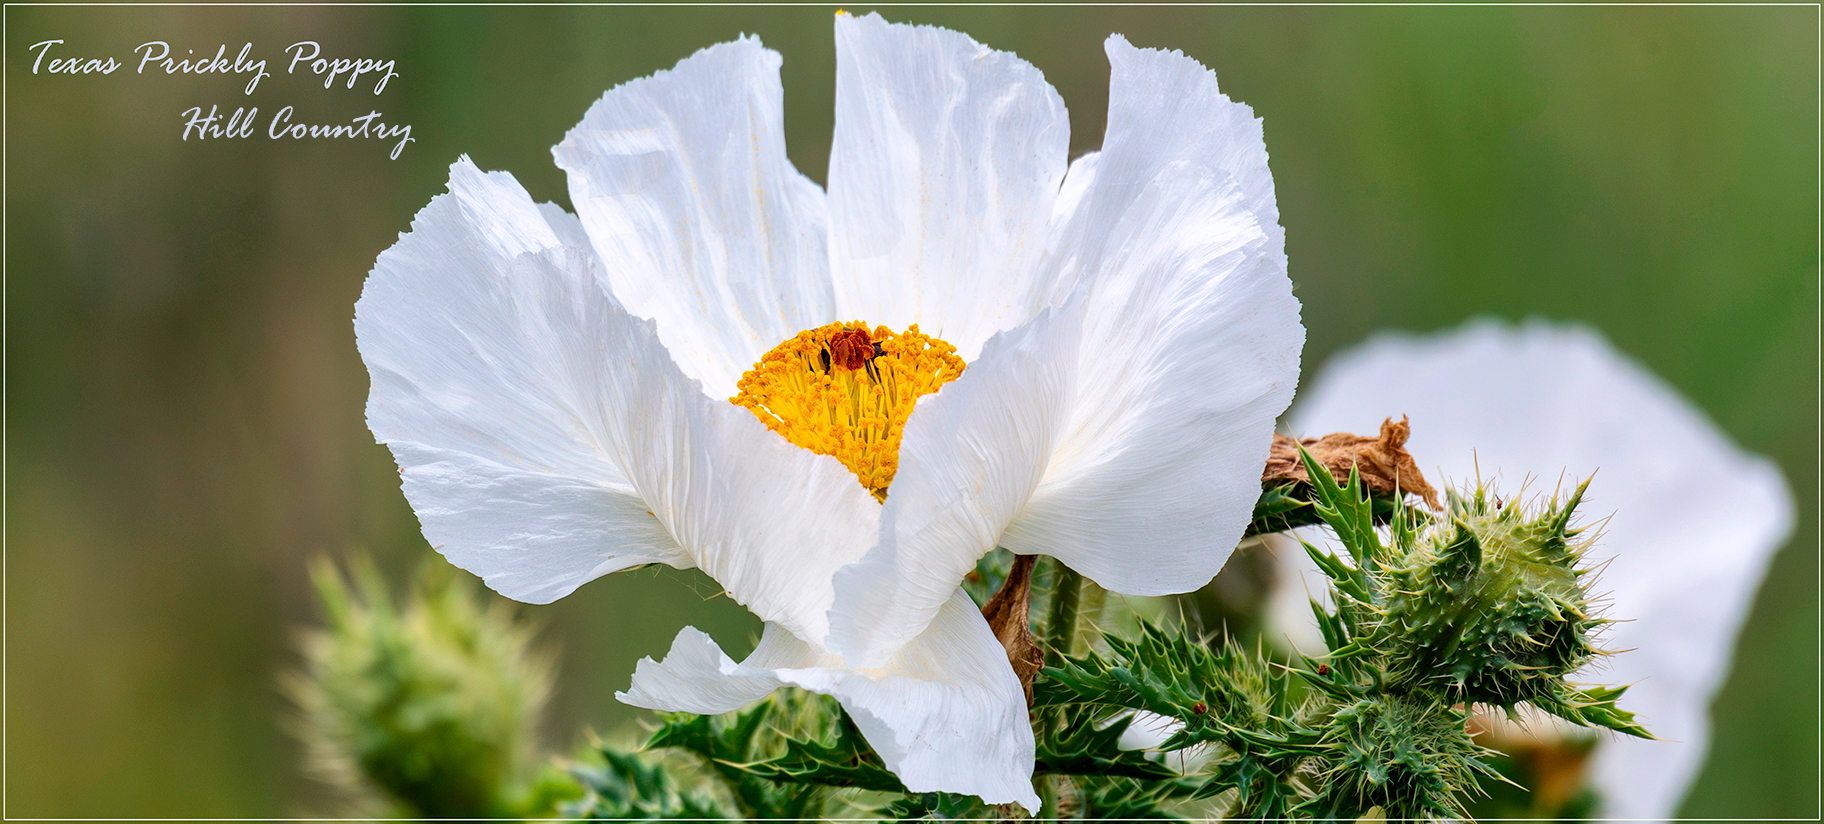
1323	669
851	348
1200	708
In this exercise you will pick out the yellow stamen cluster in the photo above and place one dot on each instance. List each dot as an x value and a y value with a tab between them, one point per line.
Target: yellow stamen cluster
841	390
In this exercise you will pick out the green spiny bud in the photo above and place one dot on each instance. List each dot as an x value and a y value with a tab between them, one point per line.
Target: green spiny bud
1411	759
432	703
1488	602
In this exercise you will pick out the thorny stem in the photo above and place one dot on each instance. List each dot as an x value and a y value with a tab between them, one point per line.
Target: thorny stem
1090	599
1061	625
1048	798
1061	639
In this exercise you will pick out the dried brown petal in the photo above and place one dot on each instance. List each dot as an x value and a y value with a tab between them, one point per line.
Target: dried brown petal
1008	614
1383	462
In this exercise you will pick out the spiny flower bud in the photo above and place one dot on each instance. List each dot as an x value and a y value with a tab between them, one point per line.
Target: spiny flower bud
431	702
1487	601
1482	604
1411	759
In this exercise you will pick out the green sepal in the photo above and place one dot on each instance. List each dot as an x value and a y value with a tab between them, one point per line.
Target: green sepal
1281	508
1594	707
1350	581
1348	510
1289	506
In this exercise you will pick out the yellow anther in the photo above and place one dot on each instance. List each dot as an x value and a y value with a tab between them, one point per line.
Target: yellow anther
843	391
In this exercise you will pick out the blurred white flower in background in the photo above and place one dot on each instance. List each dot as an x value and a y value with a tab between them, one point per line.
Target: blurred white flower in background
1147	730
1695	520
1100	355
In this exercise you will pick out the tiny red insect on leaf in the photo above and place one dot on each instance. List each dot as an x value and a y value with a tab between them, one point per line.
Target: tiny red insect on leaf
1199	708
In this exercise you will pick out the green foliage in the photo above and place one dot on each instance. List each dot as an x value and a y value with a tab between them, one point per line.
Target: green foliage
736	747
1076	744
430	704
782	756
842	759
937	807
1170	673
1326	758
1482	605
634	786
1228	699
1290	506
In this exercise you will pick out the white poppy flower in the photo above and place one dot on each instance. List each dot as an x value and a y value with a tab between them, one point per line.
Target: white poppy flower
1694	522
1100	356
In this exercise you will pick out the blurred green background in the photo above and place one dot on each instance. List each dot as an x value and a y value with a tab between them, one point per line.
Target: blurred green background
184	400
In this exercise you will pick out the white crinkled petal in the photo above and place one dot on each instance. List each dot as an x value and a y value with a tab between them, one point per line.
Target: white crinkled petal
970	458
946	158
475	329
769	521
1545	401
546	436
946	713
1191	336
697	676
682	181
1070	196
